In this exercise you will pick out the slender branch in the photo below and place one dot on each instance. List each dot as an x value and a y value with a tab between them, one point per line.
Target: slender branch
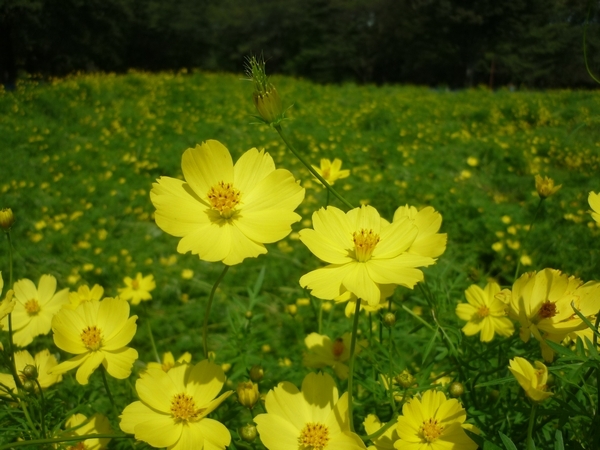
351	364
110	397
64	439
207	313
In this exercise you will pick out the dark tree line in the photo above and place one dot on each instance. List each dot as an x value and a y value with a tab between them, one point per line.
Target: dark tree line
535	43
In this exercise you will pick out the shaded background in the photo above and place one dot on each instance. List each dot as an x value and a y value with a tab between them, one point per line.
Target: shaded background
454	43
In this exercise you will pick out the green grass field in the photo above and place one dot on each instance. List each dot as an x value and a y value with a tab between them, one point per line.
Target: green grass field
79	156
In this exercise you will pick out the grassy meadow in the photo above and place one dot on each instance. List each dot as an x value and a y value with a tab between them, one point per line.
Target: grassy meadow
79	156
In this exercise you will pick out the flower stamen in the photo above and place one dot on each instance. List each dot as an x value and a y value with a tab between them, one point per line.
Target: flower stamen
183	407
224	198
315	436
365	242
483	311
338	347
547	310
431	430
92	338
32	307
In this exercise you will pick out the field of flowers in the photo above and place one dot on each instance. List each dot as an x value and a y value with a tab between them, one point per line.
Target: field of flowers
187	287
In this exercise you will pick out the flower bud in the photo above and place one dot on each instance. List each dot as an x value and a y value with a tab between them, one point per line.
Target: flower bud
7	218
29	386
30	372
405	379
292	310
257	373
265	96
248	433
545	186
247	393
389	319
248	315
456	389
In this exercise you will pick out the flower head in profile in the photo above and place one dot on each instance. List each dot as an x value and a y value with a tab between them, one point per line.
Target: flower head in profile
433	423
313	418
331	170
226	212
594	201
43	361
137	289
80	425
168	361
532	379
34	308
322	352
7	305
174	405
97	333
386	290
84	294
428	222
484	313
545	186
364	251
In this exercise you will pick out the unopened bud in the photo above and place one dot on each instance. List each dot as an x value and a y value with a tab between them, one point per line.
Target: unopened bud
405	379
29	386
389	319
247	393
7	218
30	372
292	310
257	373
456	389
265	96
248	315
545	186
248	433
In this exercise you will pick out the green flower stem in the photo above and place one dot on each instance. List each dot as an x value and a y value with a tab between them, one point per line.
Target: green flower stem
110	397
351	363
310	168
23	406
537	211
11	346
42	409
529	444
41	442
320	323
152	343
390	373
207	313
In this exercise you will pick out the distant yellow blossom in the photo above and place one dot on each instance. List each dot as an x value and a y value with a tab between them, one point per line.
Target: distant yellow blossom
484	313
80	425
533	380
322	352
545	186
472	161
85	294
594	201
187	274
226	212
168	361
330	171
137	289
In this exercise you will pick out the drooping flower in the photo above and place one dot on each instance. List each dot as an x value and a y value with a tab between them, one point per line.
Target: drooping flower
533	380
98	333
433	423
168	361
313	418
364	252
428	222
173	408
322	352
594	201
43	361
84	294
545	186
80	425
34	308
137	289
484	313
331	171
386	441
224	212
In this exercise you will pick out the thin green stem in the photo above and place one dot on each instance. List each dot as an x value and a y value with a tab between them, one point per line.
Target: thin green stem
42	409
537	211
207	313
585	57
391	367
64	439
11	346
351	363
327	199
110	397
311	169
23	406
320	319
530	445
151	335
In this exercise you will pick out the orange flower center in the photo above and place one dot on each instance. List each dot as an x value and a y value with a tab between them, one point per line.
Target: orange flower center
78	446
314	435
483	311
364	244
326	173
431	430
92	338
547	310
338	347
135	285
183	407
224	198
32	307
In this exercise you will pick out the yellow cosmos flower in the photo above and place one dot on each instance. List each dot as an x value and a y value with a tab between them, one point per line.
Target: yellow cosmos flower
168	361
428	222
43	361
314	418
386	441
432	423
364	252
137	289
80	425
322	352
545	186
533	380
174	405
97	332
224	212
7	305
85	294
541	302
594	201
34	308
330	171
484	313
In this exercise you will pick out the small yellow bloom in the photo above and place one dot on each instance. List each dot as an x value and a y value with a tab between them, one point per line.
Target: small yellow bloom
247	393
80	425
331	171
472	161
533	380
98	333
187	274
545	186
173	408
433	423
322	352
313	418
168	361
7	305
526	260
137	289
43	361
7	218
85	294
594	201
